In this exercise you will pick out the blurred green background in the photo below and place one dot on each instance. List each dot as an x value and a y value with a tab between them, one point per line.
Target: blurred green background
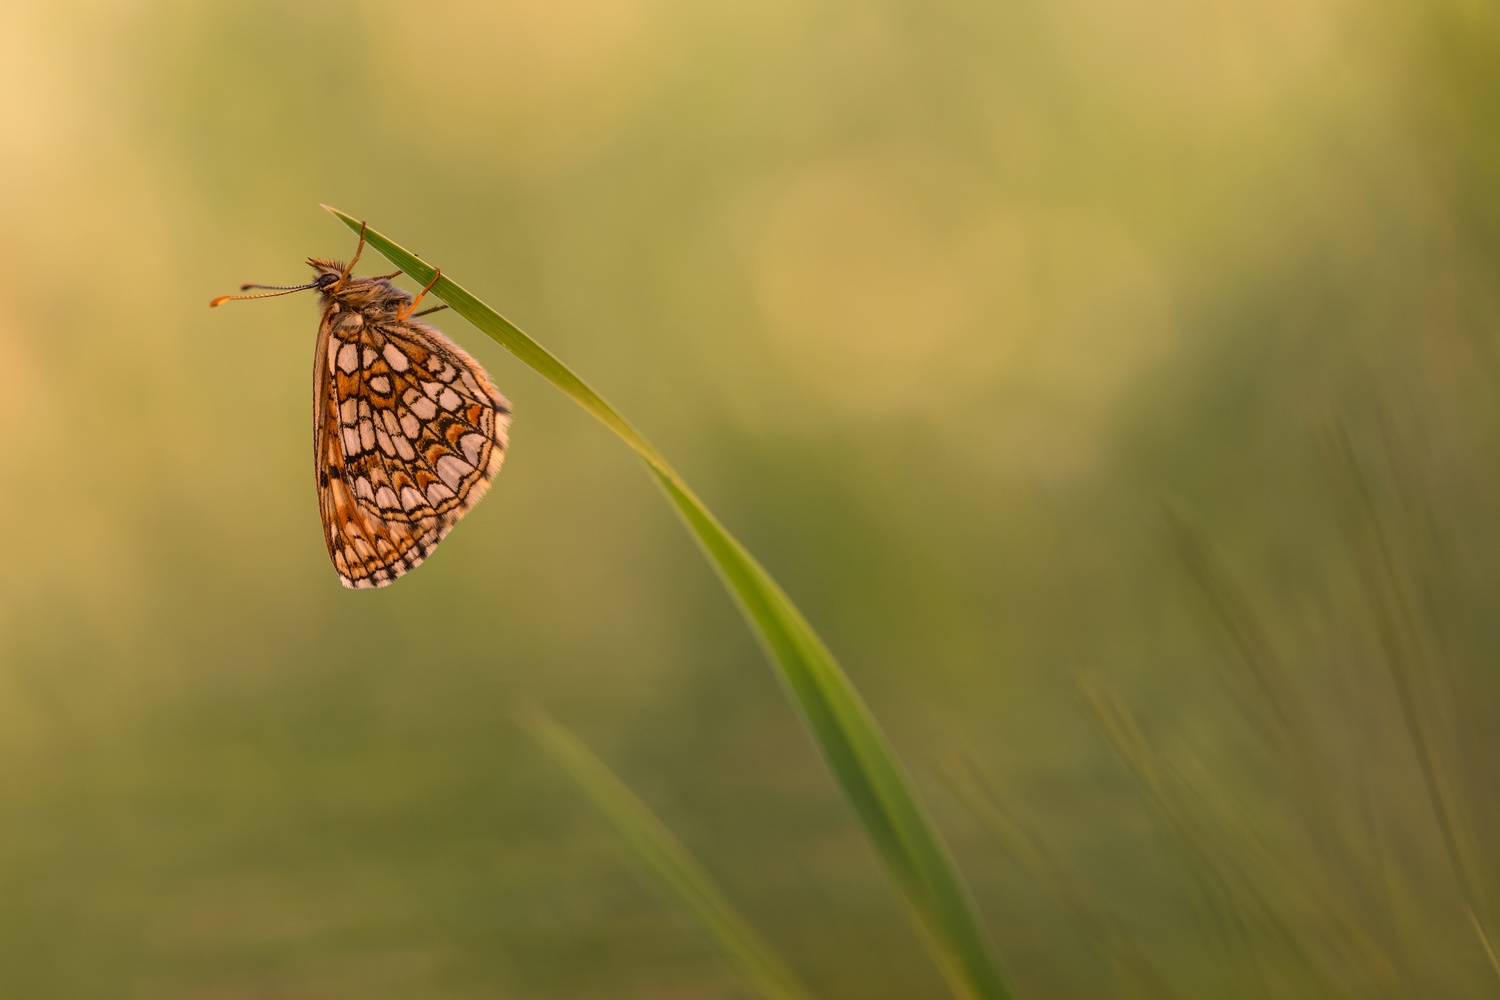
942	307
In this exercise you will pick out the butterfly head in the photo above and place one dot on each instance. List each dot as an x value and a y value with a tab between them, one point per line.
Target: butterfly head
326	273
335	280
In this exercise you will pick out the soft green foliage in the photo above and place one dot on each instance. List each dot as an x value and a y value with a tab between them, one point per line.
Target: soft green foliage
667	859
845	731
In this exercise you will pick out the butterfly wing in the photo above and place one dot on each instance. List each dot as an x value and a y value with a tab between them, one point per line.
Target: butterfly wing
409	433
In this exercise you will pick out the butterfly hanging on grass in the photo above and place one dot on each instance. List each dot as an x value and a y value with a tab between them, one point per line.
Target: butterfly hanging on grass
408	430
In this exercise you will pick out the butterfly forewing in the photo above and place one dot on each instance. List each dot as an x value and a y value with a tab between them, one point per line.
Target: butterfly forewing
409	432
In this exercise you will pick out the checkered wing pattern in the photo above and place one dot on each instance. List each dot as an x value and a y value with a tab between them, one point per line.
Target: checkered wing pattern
409	431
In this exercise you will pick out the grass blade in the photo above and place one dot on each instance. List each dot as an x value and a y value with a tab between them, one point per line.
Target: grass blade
654	844
1411	669
852	743
1064	883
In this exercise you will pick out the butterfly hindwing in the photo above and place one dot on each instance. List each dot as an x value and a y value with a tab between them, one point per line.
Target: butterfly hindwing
410	434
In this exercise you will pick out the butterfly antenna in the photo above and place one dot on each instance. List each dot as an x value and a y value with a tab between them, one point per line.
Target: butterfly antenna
275	291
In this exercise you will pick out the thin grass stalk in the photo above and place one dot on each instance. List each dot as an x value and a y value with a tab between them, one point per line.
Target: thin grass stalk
857	751
1255	652
1431	551
1244	895
1063	881
664	855
1405	656
1265	877
1297	751
1217	896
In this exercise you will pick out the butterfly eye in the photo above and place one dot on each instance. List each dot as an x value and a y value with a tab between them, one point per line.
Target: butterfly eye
324	280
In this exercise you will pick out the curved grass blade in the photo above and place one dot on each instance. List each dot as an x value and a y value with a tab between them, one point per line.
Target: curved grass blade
852	743
654	844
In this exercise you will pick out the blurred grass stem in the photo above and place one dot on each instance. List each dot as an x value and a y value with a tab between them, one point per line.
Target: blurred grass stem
665	856
1062	881
1407	657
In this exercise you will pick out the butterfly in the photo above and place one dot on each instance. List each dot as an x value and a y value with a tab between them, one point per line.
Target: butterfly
408	430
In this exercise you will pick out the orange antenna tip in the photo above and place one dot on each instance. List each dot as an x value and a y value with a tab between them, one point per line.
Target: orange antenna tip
220	300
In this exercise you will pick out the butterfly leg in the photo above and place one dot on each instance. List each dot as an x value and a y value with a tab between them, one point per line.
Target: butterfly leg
357	251
400	317
427	312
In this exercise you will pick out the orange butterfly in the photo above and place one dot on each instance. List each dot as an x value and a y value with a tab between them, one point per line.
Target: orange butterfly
408	430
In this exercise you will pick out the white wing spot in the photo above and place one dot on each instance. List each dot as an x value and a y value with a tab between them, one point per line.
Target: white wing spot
369	357
403	448
473	446
384	440
349	411
385	497
437	493
351	441
380	384
348	358
367	434
395	358
453	470
432	389
363	489
333	350
449	400
410	425
424	408
410	498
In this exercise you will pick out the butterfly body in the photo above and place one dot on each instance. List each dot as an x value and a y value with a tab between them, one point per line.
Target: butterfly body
408	430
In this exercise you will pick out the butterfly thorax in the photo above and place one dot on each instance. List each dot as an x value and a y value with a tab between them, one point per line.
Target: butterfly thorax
373	298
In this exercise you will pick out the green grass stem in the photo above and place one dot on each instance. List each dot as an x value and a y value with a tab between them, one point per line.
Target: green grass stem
665	856
862	760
